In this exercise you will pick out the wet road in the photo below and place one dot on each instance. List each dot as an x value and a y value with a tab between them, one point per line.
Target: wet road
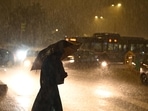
85	89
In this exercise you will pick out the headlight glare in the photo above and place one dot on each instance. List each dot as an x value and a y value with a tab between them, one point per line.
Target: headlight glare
27	63
104	64
21	55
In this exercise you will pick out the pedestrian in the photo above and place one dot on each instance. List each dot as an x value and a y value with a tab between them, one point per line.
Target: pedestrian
52	74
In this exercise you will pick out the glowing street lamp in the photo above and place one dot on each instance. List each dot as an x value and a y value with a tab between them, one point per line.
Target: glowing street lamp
112	5
57	30
115	13
96	17
98	22
118	5
101	17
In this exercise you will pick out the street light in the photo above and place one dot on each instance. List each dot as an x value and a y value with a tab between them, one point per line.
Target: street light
101	17
118	5
112	5
98	22
57	30
96	17
115	10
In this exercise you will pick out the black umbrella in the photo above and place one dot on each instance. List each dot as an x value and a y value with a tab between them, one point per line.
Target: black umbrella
69	48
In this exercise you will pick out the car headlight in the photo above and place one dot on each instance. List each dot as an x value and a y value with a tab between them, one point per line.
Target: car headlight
71	59
21	55
104	64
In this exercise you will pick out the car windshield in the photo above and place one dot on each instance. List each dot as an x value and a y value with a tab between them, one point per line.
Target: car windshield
109	45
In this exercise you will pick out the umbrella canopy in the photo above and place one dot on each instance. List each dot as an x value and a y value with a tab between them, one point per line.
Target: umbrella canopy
68	47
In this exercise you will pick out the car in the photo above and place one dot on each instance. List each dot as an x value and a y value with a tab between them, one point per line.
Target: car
30	57
82	56
87	57
25	57
6	58
144	70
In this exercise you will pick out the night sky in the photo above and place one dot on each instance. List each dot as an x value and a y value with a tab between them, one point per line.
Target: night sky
130	19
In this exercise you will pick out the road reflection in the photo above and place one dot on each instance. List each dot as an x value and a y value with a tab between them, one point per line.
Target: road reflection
23	86
83	90
103	92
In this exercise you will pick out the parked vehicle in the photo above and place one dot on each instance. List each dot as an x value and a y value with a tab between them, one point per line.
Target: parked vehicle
30	57
144	70
6	58
86	57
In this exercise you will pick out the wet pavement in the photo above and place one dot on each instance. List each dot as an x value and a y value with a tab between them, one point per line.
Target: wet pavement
87	89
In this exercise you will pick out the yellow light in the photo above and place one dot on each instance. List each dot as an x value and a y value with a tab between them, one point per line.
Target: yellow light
67	39
119	5
110	40
104	64
101	17
115	40
73	39
96	17
112	5
57	30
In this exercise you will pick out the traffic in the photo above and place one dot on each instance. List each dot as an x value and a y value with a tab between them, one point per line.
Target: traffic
99	58
101	48
110	48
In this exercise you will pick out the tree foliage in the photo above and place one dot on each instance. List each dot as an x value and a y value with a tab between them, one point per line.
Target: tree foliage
28	25
5	7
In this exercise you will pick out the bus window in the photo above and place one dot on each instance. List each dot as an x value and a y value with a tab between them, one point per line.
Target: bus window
137	47
120	47
86	46
116	47
124	47
133	47
140	47
105	46
110	46
113	47
96	46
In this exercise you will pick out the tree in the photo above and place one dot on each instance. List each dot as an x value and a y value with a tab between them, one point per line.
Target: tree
5	7
28	24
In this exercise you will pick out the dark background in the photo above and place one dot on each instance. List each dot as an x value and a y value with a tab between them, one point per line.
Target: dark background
34	22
